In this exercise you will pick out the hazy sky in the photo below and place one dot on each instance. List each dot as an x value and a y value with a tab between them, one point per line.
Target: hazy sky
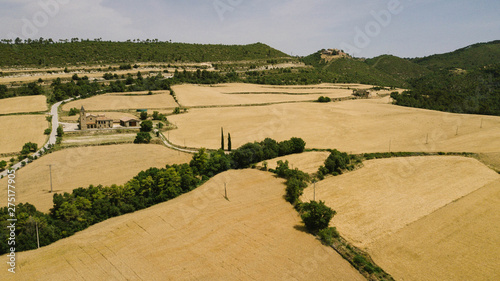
406	28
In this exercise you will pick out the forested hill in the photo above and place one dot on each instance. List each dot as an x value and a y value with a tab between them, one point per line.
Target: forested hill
467	58
48	53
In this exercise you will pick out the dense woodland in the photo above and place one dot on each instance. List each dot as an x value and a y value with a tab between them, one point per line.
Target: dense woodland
73	212
46	52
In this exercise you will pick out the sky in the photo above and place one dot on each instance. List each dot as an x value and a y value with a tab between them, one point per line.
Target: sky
405	28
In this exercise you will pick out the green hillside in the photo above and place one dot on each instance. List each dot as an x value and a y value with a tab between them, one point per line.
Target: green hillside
467	58
397	67
350	70
347	70
99	52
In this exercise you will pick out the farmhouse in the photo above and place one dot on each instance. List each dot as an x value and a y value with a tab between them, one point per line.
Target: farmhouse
90	121
129	122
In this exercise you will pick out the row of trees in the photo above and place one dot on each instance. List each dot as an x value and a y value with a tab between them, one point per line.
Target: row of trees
83	207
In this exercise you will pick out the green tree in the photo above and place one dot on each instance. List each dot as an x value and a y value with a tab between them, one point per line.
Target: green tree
60	131
316	216
221	137
294	189
199	161
3	164
146	126
156	115
144	115
142	137
229	142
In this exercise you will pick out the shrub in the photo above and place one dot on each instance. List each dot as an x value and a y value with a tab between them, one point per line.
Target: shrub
146	126
294	189
74	111
142	137
327	234
47	131
324	99
336	162
316	215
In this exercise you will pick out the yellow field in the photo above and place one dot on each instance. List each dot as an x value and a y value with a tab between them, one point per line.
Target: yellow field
457	242
308	162
121	101
255	235
116	116
491	159
23	104
20	129
80	167
388	194
353	126
242	93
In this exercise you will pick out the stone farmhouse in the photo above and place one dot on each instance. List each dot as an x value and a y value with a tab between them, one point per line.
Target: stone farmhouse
90	121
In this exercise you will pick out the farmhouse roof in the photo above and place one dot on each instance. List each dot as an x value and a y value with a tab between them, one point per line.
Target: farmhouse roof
128	119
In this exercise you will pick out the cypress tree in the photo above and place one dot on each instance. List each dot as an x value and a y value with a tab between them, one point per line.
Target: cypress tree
228	141
222	138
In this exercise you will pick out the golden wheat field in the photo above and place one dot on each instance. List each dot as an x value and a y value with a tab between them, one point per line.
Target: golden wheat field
121	101
20	129
356	126
255	235
80	167
241	93
457	242
23	104
308	162
387	194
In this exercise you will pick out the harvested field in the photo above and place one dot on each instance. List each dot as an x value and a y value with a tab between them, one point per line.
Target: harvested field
241	93
80	167
388	194
356	126
116	116
255	235
457	242
114	101
308	162
20	129
23	104
491	159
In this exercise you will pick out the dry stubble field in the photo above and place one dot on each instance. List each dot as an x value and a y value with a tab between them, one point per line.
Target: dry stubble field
388	194
356	126
255	235
421	218
457	242
20	129
80	167
242	93
23	104
122	101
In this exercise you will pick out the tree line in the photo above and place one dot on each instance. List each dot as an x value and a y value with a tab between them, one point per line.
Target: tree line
73	212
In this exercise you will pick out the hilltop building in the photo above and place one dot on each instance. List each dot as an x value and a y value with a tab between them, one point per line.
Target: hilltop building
90	121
